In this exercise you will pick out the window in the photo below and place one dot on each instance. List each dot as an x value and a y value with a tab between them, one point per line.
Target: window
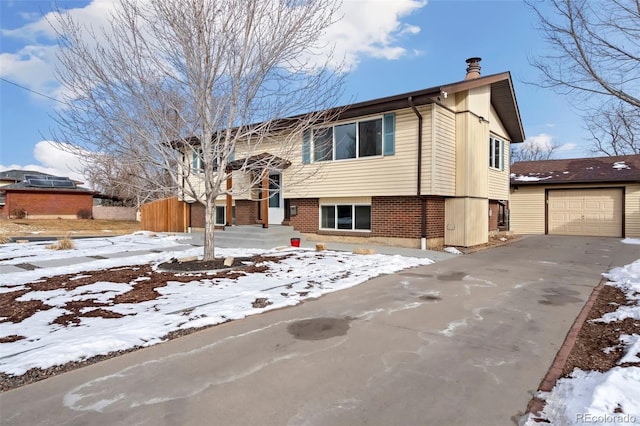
221	215
197	165
347	217
496	153
350	140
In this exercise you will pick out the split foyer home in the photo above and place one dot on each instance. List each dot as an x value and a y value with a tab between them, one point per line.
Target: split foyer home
418	169
577	196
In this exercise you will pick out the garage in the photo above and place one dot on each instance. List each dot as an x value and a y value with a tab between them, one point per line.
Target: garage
598	196
594	212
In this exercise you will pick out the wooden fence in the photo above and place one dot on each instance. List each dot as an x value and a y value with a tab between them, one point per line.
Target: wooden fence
166	215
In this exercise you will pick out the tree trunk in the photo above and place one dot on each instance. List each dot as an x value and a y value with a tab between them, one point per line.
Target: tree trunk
209	228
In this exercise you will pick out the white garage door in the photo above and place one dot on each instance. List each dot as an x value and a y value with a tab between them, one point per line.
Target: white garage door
595	212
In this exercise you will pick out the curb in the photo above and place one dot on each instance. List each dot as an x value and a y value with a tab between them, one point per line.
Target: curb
536	404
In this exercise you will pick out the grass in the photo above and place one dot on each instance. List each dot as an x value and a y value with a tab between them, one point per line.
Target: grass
65	243
62	227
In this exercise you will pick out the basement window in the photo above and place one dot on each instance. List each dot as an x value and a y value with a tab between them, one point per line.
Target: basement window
345	217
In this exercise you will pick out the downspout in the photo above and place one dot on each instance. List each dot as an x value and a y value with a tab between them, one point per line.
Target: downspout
423	205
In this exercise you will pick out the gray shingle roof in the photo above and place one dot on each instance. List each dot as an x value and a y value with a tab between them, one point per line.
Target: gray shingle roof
623	168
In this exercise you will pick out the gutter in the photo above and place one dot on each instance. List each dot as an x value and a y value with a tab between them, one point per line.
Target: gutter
423	204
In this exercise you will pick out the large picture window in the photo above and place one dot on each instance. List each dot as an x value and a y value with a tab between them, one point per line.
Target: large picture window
496	153
350	140
348	217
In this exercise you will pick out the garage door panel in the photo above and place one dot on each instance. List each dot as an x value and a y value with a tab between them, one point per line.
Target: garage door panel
585	212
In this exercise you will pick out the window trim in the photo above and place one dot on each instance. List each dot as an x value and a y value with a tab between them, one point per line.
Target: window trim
500	143
312	145
353	222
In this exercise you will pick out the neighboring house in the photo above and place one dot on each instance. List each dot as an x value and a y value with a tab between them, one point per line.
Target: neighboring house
35	195
579	196
419	169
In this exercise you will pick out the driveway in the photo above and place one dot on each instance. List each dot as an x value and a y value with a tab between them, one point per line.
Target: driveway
461	342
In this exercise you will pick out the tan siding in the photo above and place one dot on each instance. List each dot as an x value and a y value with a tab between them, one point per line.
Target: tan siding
499	179
345	200
444	175
472	151
527	210
495	125
466	221
632	211
380	176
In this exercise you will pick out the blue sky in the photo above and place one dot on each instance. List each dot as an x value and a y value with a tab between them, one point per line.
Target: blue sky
397	46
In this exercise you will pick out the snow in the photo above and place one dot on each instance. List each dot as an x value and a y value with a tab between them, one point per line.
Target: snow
201	302
523	178
592	397
619	165
452	250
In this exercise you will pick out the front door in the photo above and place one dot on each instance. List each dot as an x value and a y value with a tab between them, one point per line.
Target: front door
276	204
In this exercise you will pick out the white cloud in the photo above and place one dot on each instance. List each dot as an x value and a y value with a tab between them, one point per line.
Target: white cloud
54	160
369	28
567	147
542	142
372	28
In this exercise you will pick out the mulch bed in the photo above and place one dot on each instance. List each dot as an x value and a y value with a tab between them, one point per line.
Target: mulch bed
143	290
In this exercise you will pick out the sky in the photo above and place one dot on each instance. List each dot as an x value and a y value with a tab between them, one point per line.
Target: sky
391	46
586	397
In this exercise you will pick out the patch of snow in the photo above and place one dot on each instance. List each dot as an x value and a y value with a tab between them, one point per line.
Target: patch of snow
632	341
619	165
631	241
201	302
522	178
452	250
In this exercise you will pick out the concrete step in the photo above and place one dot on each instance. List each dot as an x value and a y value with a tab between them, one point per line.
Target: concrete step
256	236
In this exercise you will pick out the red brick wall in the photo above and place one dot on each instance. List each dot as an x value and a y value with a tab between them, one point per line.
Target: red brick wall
48	203
246	212
307	218
398	217
493	219
401	217
197	215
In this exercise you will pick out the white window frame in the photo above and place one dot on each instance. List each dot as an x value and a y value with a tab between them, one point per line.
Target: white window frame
496	163
353	215
197	166
333	140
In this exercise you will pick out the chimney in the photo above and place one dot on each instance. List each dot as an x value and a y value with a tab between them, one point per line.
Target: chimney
473	69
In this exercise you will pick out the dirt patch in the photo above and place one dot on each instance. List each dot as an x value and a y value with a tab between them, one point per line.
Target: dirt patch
66	227
588	352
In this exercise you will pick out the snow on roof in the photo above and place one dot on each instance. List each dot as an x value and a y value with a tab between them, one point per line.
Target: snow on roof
619	165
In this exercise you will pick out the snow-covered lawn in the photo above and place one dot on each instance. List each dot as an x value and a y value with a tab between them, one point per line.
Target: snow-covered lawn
298	274
603	398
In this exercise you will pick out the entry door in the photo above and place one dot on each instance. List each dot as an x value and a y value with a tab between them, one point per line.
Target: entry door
276	204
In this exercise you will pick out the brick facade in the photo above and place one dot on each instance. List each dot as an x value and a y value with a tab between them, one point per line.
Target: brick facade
494	208
196	212
394	217
246	212
47	203
401	217
307	219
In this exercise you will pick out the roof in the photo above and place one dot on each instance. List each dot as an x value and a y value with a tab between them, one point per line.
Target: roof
622	168
24	186
503	100
259	162
18	175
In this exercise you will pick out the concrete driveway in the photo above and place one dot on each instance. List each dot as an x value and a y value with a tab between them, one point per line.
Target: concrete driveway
461	342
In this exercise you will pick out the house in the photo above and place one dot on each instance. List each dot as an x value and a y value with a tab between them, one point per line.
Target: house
35	195
579	196
418	169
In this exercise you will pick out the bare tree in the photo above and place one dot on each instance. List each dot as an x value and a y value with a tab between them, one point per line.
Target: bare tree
615	130
595	59
529	150
195	82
